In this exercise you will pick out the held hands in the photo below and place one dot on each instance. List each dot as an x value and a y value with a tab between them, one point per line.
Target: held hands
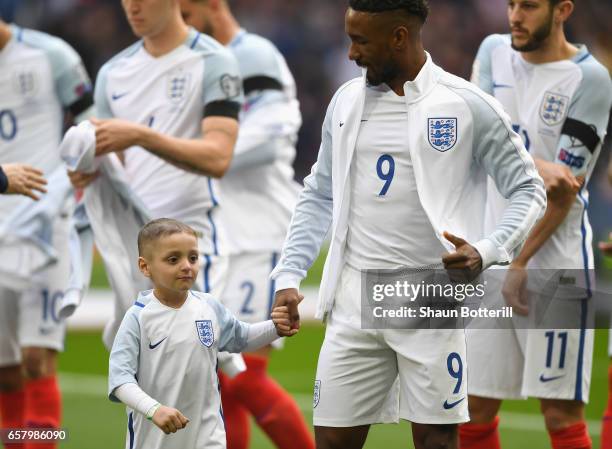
515	289
169	419
24	180
285	312
463	265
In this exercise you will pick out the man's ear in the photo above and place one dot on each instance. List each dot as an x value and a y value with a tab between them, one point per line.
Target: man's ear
143	265
563	11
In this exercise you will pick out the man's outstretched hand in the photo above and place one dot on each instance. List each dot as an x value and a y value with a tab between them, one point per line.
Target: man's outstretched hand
465	263
290	298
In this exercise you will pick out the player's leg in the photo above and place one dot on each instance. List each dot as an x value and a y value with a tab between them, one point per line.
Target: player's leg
41	336
249	295
558	372
495	360
565	423
433	383
12	392
356	381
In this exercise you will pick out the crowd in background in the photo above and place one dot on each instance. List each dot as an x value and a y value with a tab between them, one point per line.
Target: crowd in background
310	33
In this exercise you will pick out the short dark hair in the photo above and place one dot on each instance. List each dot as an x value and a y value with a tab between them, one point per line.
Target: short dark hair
418	8
162	227
556	2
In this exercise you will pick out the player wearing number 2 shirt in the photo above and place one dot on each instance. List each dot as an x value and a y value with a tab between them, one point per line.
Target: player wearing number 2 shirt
41	77
403	161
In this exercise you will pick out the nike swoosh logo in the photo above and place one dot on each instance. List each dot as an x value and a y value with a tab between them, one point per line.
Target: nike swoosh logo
117	96
341	124
156	344
549	379
364	120
448	406
501	86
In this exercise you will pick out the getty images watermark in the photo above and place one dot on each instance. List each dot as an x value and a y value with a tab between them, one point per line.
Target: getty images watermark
434	296
429	299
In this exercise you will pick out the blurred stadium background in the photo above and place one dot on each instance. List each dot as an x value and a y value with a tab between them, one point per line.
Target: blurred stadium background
310	33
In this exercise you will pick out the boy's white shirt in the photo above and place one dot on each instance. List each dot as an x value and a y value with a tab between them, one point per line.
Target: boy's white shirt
455	205
172	355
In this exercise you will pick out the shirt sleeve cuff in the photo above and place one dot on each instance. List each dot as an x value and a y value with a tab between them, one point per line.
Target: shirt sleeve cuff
490	254
286	280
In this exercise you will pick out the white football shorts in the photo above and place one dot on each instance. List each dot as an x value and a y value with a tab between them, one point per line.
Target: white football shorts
371	376
29	318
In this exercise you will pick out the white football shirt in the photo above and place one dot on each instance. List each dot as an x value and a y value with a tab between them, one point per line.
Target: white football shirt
40	75
172	355
387	227
561	111
259	193
169	94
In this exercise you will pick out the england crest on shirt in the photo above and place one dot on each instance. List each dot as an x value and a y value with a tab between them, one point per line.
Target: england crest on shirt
553	108
205	332
442	133
25	82
177	86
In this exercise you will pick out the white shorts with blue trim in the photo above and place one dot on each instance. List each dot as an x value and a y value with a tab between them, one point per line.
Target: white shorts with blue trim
541	363
372	376
249	291
29	318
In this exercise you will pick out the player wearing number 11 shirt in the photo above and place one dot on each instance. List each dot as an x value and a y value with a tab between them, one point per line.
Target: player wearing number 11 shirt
403	163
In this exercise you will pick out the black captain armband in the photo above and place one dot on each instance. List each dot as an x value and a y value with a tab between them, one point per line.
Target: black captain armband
261	82
3	181
223	108
587	134
81	104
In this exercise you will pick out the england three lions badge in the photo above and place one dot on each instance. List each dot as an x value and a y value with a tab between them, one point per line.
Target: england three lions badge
442	133
553	108
205	332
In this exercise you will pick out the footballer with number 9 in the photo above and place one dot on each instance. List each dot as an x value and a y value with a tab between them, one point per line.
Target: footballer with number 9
163	364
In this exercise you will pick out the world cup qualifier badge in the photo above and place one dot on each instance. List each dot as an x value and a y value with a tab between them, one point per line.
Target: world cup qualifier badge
230	85
317	394
442	133
553	108
205	332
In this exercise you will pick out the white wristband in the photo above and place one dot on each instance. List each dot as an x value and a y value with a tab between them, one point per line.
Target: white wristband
152	411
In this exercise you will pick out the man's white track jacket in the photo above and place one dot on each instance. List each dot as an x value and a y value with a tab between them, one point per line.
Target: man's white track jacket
451	184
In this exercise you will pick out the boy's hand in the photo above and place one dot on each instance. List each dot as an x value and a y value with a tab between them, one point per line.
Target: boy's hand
169	419
282	321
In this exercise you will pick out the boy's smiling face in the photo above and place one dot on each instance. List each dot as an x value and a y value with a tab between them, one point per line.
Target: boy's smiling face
172	262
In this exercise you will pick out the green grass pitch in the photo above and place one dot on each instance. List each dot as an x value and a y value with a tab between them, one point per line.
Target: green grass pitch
93	422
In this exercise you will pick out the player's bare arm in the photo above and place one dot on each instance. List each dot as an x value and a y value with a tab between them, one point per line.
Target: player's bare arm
210	155
558	206
289	297
465	263
558	179
24	180
169	419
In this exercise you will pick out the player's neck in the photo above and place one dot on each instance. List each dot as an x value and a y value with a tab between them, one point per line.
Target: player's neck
409	70
555	48
170	298
226	28
5	35
168	39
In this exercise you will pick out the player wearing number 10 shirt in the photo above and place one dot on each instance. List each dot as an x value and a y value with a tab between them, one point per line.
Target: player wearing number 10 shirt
403	163
558	97
41	77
